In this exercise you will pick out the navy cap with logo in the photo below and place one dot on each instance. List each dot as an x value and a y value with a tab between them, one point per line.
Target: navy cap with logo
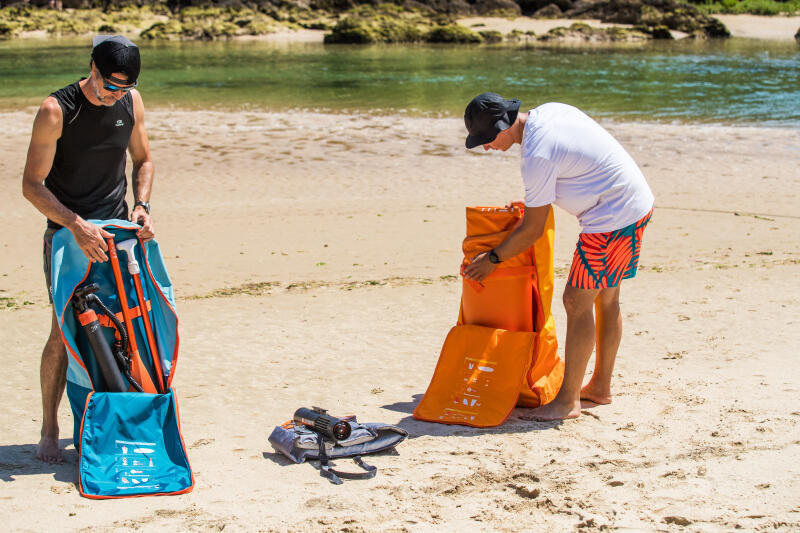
115	53
487	115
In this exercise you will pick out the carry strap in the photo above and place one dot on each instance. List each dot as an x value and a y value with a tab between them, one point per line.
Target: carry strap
136	312
336	476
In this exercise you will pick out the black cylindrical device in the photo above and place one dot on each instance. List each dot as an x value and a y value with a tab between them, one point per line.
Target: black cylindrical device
102	351
321	422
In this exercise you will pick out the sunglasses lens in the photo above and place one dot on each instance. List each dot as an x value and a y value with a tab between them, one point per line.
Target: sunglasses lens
113	88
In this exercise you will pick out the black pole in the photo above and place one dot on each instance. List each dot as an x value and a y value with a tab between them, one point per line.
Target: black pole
102	351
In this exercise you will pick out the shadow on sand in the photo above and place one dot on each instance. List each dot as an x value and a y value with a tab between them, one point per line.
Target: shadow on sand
20	460
517	422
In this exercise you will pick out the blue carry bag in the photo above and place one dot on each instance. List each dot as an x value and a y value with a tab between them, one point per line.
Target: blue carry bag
129	442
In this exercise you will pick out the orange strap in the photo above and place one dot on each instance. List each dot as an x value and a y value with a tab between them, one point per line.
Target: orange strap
87	317
136	312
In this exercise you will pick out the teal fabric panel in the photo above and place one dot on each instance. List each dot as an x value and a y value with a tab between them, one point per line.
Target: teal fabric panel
131	445
157	288
71	268
77	396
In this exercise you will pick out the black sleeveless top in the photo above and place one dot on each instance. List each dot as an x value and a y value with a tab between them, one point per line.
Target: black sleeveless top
88	173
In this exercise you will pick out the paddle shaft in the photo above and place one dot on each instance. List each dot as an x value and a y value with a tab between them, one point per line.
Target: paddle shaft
138	369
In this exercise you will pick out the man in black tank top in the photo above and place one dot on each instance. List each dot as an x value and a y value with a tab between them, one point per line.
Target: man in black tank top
75	171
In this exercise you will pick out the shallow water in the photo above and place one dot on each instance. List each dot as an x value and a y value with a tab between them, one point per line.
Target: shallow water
735	81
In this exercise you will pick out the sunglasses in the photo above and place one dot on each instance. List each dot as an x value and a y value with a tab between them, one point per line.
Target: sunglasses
109	86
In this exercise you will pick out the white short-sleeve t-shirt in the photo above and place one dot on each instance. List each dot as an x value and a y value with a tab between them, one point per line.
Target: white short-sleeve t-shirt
569	160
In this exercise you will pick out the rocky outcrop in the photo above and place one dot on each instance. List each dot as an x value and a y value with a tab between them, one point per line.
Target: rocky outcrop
499	8
449	7
530	7
550	11
355	30
581	32
651	13
221	18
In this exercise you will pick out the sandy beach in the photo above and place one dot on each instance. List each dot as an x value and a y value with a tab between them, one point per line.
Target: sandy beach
313	257
759	27
747	26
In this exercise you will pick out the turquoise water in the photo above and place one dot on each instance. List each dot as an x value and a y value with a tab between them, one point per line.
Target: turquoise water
735	81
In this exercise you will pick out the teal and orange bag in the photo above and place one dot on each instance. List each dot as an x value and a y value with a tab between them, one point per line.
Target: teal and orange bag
503	351
129	442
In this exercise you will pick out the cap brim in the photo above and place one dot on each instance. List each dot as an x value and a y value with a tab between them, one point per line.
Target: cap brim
486	138
478	140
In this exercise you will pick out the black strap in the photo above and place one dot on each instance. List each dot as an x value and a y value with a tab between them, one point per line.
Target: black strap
336	476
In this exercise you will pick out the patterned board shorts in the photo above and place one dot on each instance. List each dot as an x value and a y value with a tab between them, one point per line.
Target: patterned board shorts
602	260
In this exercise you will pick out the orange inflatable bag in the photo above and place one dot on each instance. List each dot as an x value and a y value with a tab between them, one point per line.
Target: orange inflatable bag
503	351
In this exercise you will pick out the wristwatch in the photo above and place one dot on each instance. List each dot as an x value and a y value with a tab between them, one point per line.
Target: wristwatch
493	257
146	206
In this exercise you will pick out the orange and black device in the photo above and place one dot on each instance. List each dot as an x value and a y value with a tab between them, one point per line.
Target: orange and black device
319	420
112	376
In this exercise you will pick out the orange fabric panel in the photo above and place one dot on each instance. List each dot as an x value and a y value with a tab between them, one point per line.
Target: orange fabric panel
505	298
477	244
478	377
482	220
505	301
546	372
503	352
512	301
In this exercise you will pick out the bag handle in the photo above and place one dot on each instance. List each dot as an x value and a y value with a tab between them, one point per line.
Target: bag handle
336	476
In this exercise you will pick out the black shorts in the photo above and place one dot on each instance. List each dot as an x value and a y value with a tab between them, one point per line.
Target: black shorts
47	254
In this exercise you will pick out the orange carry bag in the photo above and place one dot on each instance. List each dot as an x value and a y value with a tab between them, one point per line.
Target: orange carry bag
503	351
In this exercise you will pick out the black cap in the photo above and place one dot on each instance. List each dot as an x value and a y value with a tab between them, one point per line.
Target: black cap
487	115
115	53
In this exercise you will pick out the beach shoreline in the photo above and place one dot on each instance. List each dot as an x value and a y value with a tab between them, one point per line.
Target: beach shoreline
743	26
315	259
778	27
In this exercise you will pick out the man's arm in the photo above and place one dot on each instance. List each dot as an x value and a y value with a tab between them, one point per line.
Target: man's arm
520	240
41	152
142	175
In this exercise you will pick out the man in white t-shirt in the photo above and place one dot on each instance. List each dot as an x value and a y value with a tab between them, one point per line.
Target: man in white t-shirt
569	160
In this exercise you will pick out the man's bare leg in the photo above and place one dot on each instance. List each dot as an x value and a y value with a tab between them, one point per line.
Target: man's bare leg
53	377
577	350
608	320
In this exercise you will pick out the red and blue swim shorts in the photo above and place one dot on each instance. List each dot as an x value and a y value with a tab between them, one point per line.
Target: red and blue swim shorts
602	260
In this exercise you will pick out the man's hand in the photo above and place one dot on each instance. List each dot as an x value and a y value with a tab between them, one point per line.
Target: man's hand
91	239
141	217
479	268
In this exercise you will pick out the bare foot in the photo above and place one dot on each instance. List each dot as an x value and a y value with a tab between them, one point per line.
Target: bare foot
595	394
48	450
556	411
